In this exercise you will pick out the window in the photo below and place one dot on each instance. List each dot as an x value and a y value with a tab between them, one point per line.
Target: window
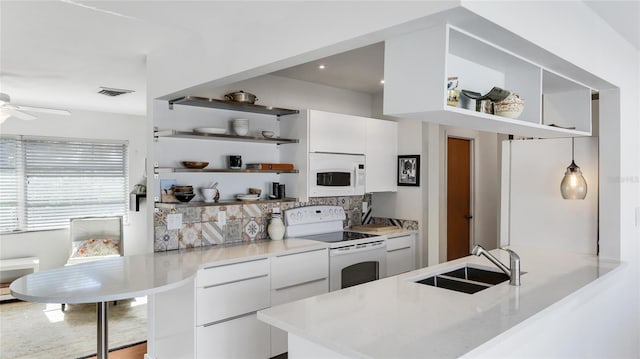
44	181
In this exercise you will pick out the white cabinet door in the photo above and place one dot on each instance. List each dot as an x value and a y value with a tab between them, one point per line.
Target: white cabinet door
243	337
296	276
333	132
400	254
381	155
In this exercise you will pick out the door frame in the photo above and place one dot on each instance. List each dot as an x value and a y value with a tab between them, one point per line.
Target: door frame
472	137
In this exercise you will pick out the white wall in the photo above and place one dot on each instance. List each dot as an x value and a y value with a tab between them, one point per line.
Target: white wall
53	247
538	215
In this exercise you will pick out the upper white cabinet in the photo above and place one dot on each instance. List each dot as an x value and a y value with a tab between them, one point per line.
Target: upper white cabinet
334	132
417	66
381	155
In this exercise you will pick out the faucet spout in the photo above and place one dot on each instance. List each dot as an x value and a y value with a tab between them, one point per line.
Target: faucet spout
514	260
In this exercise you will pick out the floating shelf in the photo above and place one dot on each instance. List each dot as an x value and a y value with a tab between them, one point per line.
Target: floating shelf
230	105
221	137
221	203
134	201
217	170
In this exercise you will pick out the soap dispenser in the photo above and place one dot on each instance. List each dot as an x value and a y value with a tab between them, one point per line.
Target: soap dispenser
276	226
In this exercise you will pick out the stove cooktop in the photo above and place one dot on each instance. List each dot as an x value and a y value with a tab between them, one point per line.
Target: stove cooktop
341	236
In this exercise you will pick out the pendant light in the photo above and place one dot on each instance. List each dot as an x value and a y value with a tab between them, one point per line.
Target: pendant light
573	185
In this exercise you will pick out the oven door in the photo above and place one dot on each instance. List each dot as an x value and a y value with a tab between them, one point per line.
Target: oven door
356	264
332	174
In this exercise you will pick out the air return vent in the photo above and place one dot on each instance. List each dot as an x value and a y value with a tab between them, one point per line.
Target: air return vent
107	91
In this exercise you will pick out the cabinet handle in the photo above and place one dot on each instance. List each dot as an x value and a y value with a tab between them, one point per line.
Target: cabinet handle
236	281
293	254
399	249
230	318
303	283
231	264
400	236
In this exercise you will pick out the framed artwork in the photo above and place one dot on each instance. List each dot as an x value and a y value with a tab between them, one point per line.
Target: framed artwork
409	170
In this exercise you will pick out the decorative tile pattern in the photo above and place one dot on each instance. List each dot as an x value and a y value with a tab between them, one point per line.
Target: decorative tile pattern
233	211
190	235
212	234
210	214
251	229
165	240
251	210
345	202
190	214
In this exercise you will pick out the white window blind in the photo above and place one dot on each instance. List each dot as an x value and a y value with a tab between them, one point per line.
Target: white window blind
65	178
10	163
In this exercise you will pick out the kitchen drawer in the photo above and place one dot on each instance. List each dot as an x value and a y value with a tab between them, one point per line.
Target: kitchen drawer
231	272
296	268
223	301
242	337
290	294
399	242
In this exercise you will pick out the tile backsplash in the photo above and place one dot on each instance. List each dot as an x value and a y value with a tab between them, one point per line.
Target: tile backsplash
245	222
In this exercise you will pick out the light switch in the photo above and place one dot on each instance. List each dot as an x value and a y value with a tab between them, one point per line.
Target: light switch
222	218
174	221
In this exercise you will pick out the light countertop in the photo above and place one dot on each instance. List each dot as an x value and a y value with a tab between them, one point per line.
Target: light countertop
131	276
397	318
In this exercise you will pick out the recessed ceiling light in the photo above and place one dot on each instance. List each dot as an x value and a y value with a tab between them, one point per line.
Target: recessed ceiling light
382	82
321	66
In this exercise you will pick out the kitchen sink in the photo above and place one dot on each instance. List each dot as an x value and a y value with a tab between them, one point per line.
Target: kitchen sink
466	279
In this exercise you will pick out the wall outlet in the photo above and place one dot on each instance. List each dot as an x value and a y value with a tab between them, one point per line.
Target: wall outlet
174	221
222	218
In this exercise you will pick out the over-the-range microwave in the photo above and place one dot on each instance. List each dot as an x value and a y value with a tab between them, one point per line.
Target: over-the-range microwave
336	174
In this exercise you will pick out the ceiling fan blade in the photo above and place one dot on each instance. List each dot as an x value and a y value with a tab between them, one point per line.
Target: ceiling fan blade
17	114
52	111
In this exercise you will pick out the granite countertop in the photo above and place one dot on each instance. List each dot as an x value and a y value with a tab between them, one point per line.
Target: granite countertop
131	276
395	317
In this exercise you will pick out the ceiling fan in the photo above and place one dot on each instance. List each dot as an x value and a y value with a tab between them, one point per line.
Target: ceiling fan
20	112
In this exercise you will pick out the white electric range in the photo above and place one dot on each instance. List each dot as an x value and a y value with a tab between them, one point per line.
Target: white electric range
354	258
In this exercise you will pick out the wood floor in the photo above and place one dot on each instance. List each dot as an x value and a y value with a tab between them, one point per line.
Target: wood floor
133	352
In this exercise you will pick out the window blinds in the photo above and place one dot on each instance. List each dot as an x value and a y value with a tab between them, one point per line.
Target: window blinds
65	179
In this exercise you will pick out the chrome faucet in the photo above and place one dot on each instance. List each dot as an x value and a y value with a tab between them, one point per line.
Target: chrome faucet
514	261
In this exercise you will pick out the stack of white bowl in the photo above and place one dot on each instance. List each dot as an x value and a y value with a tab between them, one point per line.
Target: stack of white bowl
241	126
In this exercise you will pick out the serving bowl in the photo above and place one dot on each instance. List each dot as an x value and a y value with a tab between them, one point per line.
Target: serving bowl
510	107
184	196
268	134
195	164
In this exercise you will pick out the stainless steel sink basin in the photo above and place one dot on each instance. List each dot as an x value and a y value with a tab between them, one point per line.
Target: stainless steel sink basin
465	279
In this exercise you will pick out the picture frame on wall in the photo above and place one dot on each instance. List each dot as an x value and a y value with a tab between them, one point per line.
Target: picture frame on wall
409	170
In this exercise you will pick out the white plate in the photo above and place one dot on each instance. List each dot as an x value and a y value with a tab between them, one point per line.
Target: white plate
247	197
212	130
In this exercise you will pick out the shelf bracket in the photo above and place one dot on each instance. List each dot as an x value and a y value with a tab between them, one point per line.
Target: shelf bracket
170	105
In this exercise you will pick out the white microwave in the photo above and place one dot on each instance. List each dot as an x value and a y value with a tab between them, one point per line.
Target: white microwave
336	174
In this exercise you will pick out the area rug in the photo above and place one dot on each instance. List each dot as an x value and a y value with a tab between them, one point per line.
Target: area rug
35	330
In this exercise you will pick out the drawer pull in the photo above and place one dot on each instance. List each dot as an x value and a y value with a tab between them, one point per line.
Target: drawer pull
236	281
399	249
293	254
303	283
230	318
232	264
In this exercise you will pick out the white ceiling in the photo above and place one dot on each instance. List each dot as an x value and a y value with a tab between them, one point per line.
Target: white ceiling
58	53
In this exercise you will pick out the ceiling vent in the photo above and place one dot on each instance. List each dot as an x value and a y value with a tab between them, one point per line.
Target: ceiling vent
107	91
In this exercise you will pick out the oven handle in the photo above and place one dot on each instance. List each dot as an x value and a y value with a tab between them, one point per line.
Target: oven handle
356	248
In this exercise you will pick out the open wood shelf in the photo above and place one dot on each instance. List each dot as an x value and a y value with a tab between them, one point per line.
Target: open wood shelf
220	203
217	170
221	137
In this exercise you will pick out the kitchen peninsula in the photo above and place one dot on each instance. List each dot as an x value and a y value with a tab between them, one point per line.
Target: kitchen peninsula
396	317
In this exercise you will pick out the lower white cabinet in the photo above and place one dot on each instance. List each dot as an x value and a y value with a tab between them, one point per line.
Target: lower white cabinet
227	298
293	277
401	254
239	337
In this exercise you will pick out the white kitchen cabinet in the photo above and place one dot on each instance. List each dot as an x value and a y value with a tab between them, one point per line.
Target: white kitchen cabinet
241	337
555	106
334	132
381	155
227	297
401	254
296	276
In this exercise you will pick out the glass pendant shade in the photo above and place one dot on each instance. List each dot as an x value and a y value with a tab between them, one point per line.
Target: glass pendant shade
573	185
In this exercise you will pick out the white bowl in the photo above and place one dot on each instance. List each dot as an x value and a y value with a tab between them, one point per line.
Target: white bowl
241	131
268	134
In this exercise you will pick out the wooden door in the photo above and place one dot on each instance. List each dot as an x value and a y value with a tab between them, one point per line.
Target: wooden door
458	197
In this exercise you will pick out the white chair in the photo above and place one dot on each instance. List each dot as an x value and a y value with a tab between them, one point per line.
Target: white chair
95	238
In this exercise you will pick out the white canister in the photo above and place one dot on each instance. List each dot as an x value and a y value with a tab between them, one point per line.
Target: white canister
276	226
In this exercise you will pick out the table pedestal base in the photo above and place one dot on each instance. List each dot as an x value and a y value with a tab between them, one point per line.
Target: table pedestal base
102	310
